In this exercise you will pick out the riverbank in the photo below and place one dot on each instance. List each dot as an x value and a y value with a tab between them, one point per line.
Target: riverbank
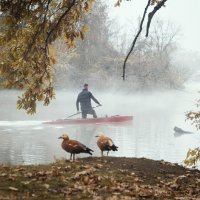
100	178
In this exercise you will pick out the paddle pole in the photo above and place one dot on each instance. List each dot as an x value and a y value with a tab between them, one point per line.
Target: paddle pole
80	112
73	115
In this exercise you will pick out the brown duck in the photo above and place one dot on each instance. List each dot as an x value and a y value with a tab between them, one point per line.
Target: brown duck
105	144
73	146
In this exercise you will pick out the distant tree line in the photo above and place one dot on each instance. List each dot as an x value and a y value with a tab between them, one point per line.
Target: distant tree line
29	31
96	59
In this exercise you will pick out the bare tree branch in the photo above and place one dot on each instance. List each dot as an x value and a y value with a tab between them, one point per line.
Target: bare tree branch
151	14
41	27
35	35
45	16
136	37
58	23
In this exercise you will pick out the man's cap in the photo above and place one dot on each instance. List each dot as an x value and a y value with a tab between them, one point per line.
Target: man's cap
85	85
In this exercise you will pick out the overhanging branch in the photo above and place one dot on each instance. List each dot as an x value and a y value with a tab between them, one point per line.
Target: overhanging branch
151	14
58	23
136	37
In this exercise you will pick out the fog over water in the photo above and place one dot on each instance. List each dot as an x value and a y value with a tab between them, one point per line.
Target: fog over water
25	140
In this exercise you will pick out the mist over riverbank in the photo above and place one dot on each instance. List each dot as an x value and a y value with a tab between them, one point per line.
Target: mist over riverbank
26	140
113	102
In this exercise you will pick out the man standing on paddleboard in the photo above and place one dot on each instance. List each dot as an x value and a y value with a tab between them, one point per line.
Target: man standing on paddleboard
84	98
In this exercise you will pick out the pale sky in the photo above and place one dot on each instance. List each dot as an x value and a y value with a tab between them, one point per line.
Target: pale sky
183	13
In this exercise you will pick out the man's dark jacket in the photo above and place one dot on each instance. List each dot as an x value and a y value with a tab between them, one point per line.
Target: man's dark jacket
84	98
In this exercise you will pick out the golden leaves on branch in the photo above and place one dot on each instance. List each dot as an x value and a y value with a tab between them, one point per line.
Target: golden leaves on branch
153	2
193	156
118	3
52	54
26	43
194	116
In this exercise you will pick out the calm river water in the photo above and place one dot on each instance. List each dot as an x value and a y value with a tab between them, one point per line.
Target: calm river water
25	140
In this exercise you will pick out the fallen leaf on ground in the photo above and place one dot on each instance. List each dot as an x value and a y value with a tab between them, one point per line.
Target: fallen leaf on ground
46	186
13	188
87	171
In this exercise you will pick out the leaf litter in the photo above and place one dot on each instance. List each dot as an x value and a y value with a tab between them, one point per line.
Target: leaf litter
106	178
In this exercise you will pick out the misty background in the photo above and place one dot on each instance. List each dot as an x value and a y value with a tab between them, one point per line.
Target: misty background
164	60
162	83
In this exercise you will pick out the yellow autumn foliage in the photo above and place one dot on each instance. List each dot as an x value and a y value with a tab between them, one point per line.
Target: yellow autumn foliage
27	31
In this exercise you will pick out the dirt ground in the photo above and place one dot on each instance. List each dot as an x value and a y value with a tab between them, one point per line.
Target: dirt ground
100	178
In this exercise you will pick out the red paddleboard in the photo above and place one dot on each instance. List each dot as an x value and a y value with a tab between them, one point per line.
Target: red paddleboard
113	119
